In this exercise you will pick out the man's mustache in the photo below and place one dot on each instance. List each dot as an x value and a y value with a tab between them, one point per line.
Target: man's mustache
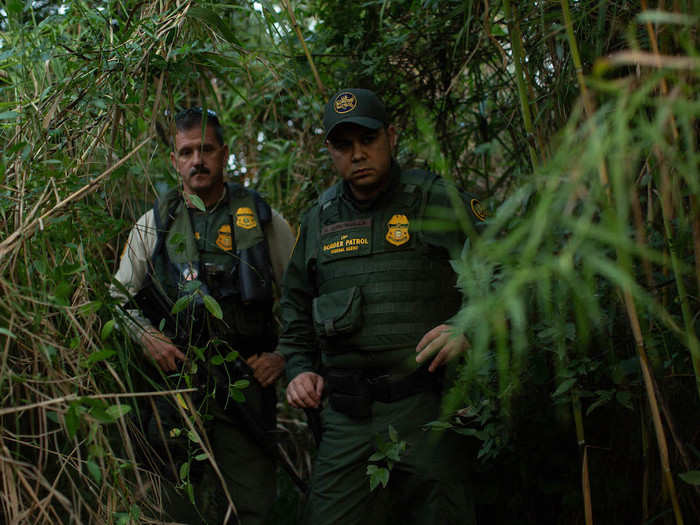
199	169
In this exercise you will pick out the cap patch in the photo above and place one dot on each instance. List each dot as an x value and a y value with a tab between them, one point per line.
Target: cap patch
397	233
245	218
344	103
478	210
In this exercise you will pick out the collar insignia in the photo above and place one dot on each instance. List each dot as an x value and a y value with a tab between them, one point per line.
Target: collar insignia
397	234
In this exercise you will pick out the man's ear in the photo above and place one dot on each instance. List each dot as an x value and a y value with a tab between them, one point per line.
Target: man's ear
391	135
173	160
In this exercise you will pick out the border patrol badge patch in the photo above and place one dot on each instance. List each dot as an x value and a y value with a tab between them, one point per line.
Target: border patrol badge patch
344	103
478	210
245	218
397	234
224	240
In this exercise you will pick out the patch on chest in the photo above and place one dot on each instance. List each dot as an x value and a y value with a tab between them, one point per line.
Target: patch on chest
344	239
224	239
397	230
245	218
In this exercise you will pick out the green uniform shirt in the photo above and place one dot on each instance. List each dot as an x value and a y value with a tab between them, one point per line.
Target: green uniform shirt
409	226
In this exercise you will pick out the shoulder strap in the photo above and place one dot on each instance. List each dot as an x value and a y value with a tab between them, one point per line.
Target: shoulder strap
163	215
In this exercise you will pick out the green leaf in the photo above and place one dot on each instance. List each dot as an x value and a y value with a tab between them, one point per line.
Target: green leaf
377	476
237	395
5	331
72	420
193	436
564	387
196	202
107	329
241	384
213	20
94	470
217	360
181	304
8	115
232	355
90	308
691	477
393	435
192	286
100	356
117	411
377	456
184	471
200	457
213	306
437	425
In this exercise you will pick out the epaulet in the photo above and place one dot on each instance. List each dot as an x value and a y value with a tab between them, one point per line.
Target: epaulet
327	196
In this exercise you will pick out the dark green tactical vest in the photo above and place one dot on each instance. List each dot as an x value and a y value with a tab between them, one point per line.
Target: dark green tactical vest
381	282
227	252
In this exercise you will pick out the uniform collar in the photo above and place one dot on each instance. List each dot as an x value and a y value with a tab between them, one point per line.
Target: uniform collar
394	176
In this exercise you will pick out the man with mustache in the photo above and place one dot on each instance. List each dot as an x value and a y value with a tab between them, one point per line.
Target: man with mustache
200	266
366	303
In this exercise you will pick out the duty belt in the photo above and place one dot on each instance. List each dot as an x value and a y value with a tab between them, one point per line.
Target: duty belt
352	391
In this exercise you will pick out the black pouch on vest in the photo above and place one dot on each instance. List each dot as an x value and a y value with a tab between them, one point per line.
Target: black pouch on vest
349	393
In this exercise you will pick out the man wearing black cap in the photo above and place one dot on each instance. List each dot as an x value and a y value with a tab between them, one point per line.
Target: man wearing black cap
367	297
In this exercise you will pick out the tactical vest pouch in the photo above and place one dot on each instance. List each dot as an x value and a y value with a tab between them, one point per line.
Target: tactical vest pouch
338	312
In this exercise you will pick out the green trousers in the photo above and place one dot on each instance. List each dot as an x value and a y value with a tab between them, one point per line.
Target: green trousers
249	472
428	485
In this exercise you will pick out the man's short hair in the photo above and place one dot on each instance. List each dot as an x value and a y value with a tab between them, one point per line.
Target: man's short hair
187	119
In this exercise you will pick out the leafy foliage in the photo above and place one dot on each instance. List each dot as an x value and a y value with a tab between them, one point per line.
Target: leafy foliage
576	121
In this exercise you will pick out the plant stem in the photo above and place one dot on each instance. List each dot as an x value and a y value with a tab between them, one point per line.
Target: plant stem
515	39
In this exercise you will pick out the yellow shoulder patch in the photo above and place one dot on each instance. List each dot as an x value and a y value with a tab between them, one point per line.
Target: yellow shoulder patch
397	233
224	239
478	210
245	218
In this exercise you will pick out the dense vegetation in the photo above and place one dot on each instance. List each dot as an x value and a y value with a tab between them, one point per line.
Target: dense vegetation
575	122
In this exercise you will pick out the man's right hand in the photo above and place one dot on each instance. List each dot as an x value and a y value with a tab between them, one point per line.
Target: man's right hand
161	349
304	391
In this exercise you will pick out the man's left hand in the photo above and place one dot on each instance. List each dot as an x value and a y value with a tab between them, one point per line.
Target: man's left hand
267	367
443	342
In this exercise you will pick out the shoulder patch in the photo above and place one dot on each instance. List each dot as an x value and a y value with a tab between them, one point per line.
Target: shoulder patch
478	210
245	218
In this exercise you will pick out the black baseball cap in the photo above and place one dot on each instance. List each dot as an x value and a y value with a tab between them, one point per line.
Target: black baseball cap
359	106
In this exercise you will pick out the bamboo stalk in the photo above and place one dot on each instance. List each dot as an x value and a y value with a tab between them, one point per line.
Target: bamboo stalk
653	405
516	39
309	58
